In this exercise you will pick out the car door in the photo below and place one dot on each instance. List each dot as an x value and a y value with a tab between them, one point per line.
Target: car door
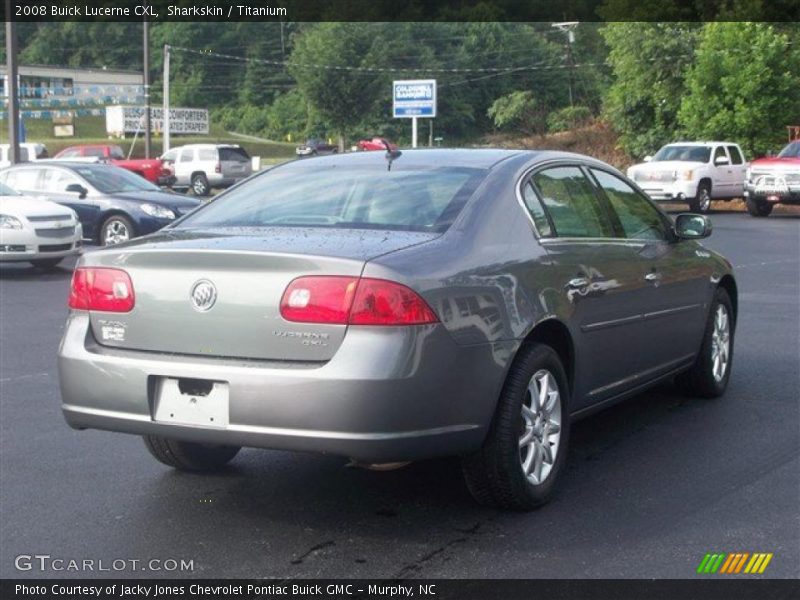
599	280
738	169
53	186
183	166
722	178
676	277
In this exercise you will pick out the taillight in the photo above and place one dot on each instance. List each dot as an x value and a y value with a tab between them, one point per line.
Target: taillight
339	300
109	290
218	168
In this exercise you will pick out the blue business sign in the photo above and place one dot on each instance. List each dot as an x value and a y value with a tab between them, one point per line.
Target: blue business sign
414	98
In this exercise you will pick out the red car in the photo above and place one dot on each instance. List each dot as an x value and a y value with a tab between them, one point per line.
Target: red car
151	169
773	180
376	143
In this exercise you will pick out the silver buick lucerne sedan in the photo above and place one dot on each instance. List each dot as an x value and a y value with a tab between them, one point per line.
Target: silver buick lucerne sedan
399	306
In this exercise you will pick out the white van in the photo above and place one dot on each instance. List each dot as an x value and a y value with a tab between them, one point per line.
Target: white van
27	152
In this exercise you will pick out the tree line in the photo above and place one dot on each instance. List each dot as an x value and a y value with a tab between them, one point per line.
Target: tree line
653	82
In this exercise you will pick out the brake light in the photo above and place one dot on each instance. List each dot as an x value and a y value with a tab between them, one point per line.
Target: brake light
109	290
337	300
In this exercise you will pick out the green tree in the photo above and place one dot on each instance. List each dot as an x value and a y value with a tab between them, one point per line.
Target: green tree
518	110
743	86
648	61
332	64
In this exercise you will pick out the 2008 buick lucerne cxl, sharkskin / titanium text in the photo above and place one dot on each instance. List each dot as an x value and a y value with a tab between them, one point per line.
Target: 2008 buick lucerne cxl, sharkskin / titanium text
396	306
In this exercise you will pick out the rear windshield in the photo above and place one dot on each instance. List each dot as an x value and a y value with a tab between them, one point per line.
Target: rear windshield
366	198
687	153
790	151
234	154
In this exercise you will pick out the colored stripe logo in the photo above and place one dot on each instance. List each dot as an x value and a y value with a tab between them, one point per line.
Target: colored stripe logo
734	563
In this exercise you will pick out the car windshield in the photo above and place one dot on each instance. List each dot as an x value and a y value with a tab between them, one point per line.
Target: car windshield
7	191
339	198
684	153
790	151
111	180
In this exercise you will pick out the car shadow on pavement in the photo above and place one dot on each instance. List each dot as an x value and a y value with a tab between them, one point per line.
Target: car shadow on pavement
25	271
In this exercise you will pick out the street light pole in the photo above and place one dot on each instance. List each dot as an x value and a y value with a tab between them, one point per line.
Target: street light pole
568	28
146	41
12	83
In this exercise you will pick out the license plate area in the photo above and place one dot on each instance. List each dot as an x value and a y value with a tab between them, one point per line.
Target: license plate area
187	401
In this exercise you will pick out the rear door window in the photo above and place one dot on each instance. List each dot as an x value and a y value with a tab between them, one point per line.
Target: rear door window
736	156
570	200
719	152
234	155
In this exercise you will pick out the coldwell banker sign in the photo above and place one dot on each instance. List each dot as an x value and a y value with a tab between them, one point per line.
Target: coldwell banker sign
414	98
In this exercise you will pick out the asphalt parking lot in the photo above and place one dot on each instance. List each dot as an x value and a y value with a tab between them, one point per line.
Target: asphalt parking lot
653	484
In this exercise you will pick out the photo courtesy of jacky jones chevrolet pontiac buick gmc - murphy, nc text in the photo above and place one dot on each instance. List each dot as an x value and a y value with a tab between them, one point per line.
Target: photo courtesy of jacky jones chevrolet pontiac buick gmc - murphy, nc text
389	307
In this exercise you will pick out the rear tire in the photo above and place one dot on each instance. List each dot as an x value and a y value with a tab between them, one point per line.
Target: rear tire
189	456
704	379
200	185
758	208
46	263
701	203
496	475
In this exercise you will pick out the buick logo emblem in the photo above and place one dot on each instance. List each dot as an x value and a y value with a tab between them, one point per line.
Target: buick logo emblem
203	295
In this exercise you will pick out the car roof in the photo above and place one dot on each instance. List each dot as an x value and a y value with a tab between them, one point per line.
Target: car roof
712	143
478	158
205	146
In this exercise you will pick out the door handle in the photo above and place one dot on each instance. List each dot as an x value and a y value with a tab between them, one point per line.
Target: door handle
578	283
653	276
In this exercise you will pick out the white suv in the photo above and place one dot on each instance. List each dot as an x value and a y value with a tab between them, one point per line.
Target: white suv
693	172
200	167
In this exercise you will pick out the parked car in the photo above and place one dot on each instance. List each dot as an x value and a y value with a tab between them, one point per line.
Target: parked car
773	180
149	168
113	204
28	152
315	146
464	302
36	231
375	143
693	172
201	167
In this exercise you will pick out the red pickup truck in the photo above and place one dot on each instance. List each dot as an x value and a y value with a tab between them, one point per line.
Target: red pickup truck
151	169
773	180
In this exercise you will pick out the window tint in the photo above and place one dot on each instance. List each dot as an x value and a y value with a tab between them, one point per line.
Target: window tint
234	154
790	151
26	180
95	151
572	204
536	210
719	152
736	156
639	219
116	153
207	154
349	198
685	153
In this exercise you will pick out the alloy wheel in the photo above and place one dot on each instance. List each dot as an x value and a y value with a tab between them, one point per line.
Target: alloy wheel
115	232
720	343
540	427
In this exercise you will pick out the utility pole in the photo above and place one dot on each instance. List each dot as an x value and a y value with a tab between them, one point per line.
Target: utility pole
165	81
146	61
12	86
568	28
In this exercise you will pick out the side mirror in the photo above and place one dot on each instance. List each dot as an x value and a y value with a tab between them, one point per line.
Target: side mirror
689	226
648	158
721	160
77	188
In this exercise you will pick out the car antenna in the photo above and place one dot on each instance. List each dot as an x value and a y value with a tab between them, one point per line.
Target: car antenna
390	154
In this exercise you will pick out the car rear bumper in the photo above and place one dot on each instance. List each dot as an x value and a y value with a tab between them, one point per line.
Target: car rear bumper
388	394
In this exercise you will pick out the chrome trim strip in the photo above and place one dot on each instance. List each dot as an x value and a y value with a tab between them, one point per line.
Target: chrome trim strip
671	311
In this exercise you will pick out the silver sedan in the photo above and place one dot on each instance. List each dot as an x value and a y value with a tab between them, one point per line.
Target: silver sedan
396	307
